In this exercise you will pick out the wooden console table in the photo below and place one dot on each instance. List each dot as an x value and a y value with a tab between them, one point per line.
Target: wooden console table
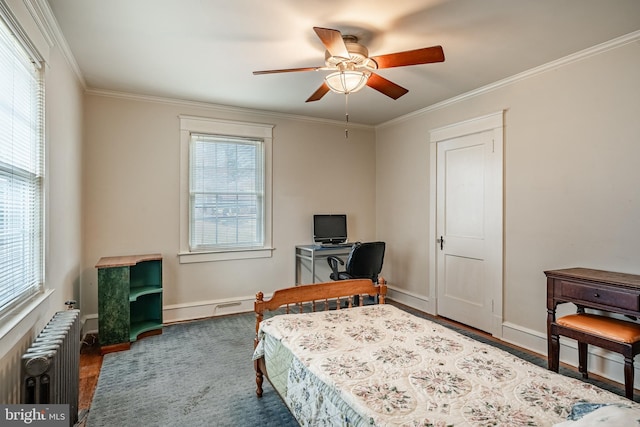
587	288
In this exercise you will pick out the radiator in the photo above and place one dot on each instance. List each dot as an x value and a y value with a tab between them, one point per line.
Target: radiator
51	365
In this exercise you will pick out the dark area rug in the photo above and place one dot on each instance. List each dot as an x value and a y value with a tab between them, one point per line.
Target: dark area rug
201	374
194	374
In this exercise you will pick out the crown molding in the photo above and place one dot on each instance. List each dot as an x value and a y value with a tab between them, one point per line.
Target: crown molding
218	107
569	59
43	15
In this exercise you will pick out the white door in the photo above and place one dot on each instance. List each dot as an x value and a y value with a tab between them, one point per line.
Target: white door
469	230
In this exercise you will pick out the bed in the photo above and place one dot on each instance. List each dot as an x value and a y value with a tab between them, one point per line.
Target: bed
336	363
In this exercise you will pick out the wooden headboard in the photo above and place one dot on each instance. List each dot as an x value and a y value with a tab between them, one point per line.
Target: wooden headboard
319	292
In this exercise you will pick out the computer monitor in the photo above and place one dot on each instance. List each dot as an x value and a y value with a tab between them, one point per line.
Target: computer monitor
329	228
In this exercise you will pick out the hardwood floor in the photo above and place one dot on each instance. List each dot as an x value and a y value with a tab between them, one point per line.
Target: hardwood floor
90	364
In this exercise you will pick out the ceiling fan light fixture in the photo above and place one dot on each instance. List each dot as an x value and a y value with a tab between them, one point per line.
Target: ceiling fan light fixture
347	81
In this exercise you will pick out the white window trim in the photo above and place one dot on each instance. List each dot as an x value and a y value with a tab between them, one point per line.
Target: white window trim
193	124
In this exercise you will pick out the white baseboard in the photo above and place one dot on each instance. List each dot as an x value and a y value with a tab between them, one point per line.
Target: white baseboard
89	324
419	302
524	337
188	311
203	309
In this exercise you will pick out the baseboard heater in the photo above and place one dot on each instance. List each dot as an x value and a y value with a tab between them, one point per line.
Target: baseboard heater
51	365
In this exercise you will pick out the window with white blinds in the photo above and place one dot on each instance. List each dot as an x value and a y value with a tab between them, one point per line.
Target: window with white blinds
226	187
21	172
226	177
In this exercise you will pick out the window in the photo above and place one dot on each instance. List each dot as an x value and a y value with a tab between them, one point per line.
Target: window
21	171
226	193
225	190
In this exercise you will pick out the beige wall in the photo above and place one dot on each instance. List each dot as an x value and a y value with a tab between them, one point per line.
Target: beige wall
402	204
64	181
131	197
571	179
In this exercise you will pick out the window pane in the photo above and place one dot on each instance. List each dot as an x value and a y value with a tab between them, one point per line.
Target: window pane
226	192
21	148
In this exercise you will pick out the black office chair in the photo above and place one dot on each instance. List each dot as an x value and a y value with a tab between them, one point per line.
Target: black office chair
364	262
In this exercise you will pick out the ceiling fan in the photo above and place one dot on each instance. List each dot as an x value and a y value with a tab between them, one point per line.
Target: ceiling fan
353	68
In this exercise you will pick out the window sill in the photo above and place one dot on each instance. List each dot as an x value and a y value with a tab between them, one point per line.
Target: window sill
13	318
228	255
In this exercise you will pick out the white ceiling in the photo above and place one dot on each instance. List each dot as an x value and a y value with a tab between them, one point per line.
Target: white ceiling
206	50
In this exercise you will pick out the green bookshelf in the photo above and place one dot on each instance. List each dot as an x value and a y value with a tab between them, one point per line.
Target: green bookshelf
129	299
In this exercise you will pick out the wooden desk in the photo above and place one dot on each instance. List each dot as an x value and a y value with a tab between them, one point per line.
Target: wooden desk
587	288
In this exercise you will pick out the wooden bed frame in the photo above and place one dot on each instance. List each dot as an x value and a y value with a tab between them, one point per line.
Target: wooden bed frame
312	294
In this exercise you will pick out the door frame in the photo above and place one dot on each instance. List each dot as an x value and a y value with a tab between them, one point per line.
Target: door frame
491	122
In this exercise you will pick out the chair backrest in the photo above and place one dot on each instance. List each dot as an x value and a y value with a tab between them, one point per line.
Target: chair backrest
365	260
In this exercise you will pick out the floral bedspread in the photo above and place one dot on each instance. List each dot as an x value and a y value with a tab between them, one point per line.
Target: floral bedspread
378	365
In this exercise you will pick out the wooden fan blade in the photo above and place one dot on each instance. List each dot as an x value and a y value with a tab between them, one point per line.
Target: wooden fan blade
287	70
385	86
332	40
426	55
318	94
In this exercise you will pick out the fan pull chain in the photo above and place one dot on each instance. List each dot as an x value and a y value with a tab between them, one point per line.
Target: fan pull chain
346	115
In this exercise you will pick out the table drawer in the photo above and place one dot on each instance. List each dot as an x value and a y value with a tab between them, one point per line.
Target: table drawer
622	299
